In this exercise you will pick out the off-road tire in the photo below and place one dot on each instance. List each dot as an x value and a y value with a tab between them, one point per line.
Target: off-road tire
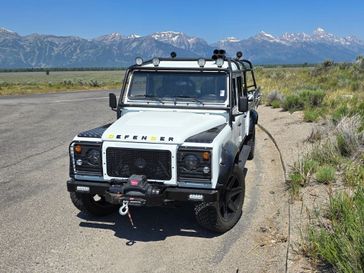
209	214
86	203
251	142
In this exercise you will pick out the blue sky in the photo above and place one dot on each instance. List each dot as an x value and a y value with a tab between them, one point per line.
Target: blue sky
211	20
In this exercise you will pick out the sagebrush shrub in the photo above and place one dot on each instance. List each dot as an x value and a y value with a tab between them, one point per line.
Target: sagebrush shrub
312	98
274	97
293	103
348	136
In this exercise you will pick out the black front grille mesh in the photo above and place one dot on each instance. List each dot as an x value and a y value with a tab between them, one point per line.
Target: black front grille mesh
123	162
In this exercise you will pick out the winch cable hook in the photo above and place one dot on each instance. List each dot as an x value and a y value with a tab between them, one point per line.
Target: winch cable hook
124	209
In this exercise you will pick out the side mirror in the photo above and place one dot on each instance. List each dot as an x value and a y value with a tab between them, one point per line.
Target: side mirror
112	101
243	105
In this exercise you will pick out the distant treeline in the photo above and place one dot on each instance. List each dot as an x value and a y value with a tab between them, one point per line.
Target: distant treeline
49	69
288	65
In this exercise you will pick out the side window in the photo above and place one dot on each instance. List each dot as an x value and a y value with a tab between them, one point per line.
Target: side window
249	81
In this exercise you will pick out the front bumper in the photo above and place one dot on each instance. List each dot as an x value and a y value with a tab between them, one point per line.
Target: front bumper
166	193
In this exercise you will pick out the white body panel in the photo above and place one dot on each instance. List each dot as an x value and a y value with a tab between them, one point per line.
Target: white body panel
160	126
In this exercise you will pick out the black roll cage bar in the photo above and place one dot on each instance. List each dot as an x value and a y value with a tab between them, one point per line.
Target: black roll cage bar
240	64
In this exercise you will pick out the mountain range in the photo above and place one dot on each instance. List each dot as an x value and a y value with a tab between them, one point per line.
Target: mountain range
117	50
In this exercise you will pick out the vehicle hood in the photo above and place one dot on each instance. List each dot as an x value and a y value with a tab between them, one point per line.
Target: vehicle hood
160	127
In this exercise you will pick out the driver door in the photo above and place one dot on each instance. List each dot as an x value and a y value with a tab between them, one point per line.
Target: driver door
239	122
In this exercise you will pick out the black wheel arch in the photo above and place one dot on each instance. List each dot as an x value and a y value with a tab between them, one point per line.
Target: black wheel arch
254	117
229	157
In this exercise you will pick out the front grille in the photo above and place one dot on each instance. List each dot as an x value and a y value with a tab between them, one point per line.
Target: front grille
123	162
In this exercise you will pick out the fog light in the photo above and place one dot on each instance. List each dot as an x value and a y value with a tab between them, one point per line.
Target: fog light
79	162
83	189
195	196
206	170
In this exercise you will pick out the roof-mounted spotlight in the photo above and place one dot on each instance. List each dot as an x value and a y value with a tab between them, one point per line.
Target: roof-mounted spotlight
216	51
239	54
201	62
219	62
156	61
222	52
138	61
173	54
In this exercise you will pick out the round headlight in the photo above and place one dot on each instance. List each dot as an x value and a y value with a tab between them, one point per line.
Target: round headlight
93	157
191	162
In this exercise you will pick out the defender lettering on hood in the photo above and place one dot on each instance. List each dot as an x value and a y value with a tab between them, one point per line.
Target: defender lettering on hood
140	138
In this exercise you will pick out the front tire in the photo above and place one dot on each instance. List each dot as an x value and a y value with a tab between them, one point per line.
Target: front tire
92	204
222	215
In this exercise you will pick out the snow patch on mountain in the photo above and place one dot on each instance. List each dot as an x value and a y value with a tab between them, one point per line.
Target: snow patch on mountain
112	37
5	30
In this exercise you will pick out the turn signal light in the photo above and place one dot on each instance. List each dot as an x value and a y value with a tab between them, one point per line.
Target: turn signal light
77	149
205	156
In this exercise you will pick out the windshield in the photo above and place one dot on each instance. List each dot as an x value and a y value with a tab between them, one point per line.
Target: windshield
209	87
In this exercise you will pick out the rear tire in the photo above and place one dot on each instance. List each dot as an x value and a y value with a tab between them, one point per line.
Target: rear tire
222	215
89	204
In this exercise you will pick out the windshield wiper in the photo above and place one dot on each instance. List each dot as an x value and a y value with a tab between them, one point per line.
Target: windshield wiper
188	98
150	97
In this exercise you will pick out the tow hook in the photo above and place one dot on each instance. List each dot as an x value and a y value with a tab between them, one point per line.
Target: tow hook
124	209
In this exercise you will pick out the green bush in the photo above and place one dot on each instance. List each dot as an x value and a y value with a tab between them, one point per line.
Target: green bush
312	98
311	115
325	174
354	174
296	181
304	99
293	103
340	112
275	104
325	154
300	174
340	242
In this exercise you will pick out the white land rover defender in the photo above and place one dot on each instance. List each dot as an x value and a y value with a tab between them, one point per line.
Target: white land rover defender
184	130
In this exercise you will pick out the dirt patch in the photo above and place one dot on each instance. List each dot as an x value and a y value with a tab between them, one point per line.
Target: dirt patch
291	134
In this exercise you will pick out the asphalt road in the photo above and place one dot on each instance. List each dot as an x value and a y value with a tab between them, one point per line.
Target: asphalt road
41	231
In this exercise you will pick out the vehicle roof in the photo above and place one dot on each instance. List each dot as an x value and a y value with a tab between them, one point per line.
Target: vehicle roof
211	64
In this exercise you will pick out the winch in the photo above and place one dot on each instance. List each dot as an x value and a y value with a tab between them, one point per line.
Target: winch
135	192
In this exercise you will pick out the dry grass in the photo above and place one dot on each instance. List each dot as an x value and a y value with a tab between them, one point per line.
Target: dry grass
19	83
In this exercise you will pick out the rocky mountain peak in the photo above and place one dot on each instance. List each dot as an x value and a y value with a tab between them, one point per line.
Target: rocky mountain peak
112	37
